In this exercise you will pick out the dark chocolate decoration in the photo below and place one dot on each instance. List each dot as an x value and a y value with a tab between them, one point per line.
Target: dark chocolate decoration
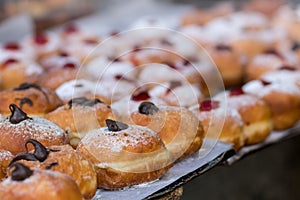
84	101
286	67
23	156
17	114
223	47
20	172
295	46
115	125
48	167
275	53
147	108
26	86
40	151
24	101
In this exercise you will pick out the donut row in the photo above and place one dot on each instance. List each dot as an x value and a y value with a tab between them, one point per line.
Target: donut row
81	112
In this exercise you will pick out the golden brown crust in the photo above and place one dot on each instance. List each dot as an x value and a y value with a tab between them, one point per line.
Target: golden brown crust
71	163
285	109
54	78
249	46
12	76
177	127
5	158
124	158
229	65
256	115
14	136
45	185
42	101
78	120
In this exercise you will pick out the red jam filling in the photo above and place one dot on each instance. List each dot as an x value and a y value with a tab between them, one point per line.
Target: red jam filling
209	105
141	96
41	39
69	66
236	92
10	61
71	28
265	83
12	46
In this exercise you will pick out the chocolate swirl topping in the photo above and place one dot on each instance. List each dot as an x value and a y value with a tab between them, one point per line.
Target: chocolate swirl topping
40	153
20	172
17	114
48	167
147	108
84	102
115	125
26	86
23	101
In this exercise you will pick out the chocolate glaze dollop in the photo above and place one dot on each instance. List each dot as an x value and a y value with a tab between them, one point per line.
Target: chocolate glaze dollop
20	172
115	125
147	108
84	101
17	114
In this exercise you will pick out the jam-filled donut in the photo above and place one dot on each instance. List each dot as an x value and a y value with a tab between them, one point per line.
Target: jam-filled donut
178	127
220	122
62	159
34	184
79	116
125	106
43	44
268	61
229	62
283	99
255	113
284	75
177	93
32	98
16	129
15	71
5	158
125	155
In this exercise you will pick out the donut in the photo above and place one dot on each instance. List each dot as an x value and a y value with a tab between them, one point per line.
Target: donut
16	129
220	122
255	113
125	155
283	75
178	127
15	71
5	158
177	93
270	60
25	183
33	99
128	104
43	44
229	64
62	159
79	116
283	99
